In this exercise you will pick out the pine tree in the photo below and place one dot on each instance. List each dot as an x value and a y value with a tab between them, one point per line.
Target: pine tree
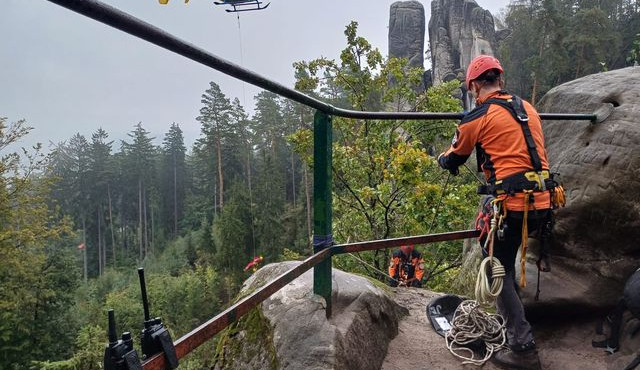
215	119
172	179
139	167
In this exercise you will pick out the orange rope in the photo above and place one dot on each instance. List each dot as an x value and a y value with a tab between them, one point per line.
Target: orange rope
525	239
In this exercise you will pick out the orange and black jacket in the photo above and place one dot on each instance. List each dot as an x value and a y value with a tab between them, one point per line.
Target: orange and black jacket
415	262
500	146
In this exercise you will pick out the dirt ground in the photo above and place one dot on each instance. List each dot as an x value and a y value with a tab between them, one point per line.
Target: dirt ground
563	344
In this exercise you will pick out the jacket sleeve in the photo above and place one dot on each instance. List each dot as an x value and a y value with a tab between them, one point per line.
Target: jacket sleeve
463	142
393	266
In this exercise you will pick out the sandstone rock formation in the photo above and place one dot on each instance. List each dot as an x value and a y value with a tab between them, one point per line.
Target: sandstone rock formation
459	30
598	231
294	332
406	32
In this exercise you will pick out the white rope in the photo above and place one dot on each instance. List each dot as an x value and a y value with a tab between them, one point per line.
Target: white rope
373	267
487	294
470	324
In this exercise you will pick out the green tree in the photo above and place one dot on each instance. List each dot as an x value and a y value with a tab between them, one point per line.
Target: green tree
139	159
385	183
215	118
555	41
33	312
100	175
172	179
70	166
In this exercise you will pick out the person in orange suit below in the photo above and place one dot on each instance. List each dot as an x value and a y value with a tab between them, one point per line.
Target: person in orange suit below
506	133
406	268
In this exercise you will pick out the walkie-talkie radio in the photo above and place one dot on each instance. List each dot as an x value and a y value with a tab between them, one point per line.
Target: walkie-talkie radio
120	354
155	337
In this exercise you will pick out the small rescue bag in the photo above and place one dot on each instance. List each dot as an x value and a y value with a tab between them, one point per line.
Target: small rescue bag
440	312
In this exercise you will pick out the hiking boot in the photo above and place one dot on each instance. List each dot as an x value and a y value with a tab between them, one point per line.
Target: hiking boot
517	360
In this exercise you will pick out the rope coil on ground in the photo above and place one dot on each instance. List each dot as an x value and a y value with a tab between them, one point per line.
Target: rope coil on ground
469	326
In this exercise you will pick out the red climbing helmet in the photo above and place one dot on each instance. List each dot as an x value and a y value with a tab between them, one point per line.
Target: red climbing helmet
480	65
407	249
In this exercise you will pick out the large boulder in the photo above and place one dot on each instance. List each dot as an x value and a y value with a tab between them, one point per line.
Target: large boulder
596	235
596	244
294	332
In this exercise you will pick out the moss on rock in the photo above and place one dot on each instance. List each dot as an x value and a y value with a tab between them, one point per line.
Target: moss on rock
247	344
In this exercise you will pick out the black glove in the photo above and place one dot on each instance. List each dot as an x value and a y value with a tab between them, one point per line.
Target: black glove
442	162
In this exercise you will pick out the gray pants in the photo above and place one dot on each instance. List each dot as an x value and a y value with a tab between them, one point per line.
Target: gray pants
519	333
510	306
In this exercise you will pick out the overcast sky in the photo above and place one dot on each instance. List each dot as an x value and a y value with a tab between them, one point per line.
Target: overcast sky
65	73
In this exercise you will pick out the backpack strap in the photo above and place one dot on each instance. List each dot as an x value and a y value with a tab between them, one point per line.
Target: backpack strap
515	106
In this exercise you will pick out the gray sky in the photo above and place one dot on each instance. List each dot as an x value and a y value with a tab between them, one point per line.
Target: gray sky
65	73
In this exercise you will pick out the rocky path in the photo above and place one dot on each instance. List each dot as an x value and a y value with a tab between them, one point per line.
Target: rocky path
563	345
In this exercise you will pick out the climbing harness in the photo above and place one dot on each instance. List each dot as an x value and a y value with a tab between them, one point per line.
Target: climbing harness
538	180
470	327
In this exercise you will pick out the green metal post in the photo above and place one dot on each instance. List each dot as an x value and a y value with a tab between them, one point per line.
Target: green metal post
322	207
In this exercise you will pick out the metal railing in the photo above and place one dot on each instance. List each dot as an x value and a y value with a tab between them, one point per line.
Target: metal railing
207	330
323	241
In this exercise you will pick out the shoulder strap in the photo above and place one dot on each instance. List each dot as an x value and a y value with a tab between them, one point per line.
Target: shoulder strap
516	108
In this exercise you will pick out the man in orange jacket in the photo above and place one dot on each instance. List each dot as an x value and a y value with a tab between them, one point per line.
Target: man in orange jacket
506	133
406	268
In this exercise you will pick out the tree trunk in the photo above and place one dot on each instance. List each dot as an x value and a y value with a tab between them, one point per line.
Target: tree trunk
253	232
535	75
175	196
84	250
152	232
113	237
293	178
146	227
215	200
140	244
220	176
99	245
307	192
104	244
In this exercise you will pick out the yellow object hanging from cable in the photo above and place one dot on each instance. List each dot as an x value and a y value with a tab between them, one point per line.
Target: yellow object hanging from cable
165	2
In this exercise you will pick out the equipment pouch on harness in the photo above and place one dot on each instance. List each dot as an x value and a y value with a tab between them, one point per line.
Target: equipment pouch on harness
490	206
483	220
